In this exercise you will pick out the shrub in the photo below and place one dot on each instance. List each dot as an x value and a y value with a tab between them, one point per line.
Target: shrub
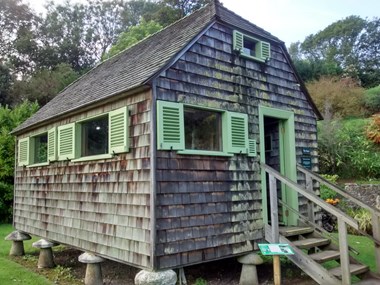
372	99
326	192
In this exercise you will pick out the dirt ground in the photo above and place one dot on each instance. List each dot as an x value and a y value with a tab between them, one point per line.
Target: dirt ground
223	272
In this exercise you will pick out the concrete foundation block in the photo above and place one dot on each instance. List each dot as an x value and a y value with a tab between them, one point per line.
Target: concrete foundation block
94	274
249	271
167	277
17	239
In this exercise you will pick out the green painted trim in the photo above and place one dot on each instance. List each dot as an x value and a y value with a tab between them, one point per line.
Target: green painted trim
93	157
118	130
26	161
38	164
288	157
204	152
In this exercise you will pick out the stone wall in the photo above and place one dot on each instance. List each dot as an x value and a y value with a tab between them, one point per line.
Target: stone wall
368	193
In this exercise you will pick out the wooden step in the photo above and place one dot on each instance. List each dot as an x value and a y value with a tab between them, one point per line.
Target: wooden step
311	242
355	269
293	231
325	255
369	281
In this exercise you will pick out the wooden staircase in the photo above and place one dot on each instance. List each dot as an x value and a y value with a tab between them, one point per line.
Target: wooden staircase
312	250
327	262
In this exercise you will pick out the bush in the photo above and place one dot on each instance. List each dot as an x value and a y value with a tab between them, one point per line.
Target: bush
346	151
325	192
10	119
372	99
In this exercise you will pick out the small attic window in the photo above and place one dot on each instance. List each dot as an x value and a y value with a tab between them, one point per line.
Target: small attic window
250	47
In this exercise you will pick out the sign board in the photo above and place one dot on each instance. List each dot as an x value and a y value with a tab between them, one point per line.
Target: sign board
275	249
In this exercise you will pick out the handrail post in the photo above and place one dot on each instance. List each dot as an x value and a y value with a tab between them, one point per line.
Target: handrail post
344	256
274	208
310	204
376	236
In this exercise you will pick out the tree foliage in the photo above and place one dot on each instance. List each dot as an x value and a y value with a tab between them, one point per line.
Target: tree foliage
9	119
349	46
337	97
372	99
132	36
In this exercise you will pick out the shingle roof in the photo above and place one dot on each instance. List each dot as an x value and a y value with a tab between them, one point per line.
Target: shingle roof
136	65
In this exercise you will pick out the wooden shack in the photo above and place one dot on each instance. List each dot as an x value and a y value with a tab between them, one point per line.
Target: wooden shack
153	157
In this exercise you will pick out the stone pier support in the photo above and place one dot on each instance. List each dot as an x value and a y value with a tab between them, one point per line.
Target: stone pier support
17	239
93	270
45	259
249	272
167	277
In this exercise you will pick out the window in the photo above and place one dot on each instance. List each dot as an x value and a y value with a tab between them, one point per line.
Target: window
40	151
251	47
94	136
203	129
97	138
197	130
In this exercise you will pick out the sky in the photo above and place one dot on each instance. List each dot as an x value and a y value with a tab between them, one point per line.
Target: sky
289	20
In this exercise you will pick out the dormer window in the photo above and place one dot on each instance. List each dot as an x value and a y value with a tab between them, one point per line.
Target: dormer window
251	47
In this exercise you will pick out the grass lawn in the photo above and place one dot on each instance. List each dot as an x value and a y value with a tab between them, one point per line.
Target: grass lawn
12	272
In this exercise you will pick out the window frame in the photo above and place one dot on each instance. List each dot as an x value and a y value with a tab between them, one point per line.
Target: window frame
228	147
119	119
262	48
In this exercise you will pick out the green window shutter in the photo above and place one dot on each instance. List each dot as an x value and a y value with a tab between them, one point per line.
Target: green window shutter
252	151
52	144
66	142
237	132
23	152
118	131
238	41
265	50
170	126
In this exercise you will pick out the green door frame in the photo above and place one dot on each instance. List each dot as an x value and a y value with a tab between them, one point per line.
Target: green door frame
287	160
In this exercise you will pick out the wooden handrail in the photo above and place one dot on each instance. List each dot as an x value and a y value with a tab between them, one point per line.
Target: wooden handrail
340	191
312	197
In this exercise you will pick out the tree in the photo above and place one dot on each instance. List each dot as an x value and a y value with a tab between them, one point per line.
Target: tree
340	97
5	84
135	34
10	119
349	46
43	85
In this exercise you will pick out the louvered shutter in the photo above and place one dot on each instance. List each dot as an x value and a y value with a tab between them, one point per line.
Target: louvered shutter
23	152
252	147
66	142
118	131
265	50
237	132
52	144
238	41
170	126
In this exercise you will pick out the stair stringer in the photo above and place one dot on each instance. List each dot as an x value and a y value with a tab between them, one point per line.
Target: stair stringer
305	263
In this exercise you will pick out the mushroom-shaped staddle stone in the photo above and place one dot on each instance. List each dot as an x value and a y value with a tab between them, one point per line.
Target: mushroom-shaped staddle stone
43	243
18	236
90	258
251	258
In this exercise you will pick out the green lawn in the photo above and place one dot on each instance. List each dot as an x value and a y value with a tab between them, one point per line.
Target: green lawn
12	272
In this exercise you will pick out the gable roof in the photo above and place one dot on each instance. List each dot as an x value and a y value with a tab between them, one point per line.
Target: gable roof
137	65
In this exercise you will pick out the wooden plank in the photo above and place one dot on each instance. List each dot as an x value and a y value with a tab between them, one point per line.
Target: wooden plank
292	231
311	242
376	236
354	269
344	256
274	208
325	255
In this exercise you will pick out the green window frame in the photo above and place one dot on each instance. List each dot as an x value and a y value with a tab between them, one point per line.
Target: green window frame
64	142
251	47
171	131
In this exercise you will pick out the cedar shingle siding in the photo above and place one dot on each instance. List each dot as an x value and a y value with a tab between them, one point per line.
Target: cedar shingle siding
203	207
